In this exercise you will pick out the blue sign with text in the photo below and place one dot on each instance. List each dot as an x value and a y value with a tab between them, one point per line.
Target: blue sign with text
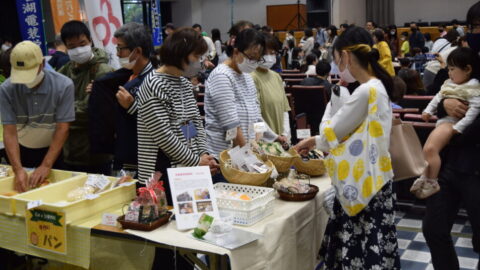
157	23
31	22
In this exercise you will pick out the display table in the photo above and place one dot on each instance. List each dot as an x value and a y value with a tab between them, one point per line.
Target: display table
291	239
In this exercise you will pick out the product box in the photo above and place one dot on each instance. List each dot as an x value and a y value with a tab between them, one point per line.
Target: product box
54	198
6	187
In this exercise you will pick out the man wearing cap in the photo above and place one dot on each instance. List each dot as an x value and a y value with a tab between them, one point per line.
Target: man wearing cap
36	106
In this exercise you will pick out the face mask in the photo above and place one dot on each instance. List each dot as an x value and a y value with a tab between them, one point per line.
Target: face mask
413	29
346	76
192	69
36	81
392	33
125	62
440	30
80	55
270	60
474	42
402	38
247	66
5	47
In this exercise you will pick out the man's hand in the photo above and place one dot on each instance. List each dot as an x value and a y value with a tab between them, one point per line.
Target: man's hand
124	98
426	116
455	107
88	89
21	180
38	176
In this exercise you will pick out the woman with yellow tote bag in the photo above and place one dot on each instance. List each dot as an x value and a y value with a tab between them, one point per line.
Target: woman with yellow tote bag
361	231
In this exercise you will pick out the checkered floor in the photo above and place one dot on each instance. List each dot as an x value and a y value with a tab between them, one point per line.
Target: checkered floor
414	252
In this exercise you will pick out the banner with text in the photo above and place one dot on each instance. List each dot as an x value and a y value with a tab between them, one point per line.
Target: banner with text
157	23
64	11
31	22
104	18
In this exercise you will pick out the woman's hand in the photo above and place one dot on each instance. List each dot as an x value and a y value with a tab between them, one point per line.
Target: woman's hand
282	139
440	59
455	107
305	146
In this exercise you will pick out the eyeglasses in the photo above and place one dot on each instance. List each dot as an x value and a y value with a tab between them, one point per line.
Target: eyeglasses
260	61
119	49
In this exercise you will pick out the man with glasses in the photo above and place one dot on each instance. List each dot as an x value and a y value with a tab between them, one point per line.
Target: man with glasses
86	65
112	106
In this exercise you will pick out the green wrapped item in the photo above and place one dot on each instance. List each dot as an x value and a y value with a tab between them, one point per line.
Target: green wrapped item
204	224
274	149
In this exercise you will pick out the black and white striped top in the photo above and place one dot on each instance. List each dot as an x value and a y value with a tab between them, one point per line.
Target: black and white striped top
230	101
164	103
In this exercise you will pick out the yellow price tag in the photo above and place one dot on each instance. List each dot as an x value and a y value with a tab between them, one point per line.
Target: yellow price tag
46	230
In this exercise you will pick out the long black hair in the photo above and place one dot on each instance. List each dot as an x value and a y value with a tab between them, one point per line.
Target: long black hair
367	57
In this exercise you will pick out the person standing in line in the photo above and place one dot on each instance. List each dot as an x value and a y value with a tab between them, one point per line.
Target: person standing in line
86	65
36	107
271	93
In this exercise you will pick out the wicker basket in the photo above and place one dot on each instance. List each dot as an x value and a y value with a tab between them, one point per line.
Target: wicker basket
244	178
283	164
312	167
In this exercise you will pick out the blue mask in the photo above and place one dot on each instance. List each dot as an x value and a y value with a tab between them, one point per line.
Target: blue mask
474	41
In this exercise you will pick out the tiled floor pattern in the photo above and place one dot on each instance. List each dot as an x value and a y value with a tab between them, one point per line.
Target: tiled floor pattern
414	252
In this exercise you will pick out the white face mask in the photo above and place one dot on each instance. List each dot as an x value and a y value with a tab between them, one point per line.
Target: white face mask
36	81
80	55
346	76
270	60
125	62
5	47
192	69
247	66
392	33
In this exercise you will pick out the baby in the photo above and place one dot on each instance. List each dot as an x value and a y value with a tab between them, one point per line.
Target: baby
463	68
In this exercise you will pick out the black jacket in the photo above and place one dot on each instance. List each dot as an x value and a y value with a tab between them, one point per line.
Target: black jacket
463	152
58	60
112	128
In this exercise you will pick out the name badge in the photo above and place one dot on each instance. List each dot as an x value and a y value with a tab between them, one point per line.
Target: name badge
189	130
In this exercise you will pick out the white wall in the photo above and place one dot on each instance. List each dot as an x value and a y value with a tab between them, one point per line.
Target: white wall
349	11
217	13
431	10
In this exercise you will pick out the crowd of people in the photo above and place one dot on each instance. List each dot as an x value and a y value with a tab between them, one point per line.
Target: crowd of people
76	112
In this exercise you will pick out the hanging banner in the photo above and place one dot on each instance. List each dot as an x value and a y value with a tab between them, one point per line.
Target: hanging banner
64	11
31	22
157	23
104	18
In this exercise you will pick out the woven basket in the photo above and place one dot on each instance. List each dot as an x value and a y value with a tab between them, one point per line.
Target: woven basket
244	178
312	167
283	164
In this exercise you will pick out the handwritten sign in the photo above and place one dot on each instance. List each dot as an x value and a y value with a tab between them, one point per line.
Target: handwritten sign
109	219
46	230
303	133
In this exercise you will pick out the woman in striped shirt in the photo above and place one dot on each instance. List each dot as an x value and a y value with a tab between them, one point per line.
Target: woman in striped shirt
170	130
231	104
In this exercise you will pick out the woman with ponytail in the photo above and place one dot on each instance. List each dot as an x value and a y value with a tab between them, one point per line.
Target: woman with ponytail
361	232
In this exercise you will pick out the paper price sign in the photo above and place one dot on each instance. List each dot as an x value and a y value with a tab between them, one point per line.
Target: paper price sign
303	133
46	230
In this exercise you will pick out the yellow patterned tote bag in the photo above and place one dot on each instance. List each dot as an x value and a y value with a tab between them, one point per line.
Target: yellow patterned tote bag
360	164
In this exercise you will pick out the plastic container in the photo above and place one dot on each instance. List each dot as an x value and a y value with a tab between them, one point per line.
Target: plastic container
7	186
246	212
54	198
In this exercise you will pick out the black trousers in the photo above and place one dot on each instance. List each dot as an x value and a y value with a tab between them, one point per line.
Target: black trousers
442	209
32	158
